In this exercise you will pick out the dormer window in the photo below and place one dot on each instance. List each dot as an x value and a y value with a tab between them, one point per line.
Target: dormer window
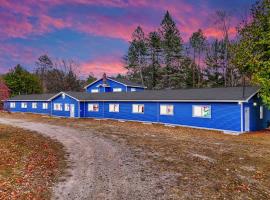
94	91
117	89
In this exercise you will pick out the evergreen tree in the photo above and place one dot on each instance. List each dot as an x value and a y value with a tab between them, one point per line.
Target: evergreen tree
20	81
171	51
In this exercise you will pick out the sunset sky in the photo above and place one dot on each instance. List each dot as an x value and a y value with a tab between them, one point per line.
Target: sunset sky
96	33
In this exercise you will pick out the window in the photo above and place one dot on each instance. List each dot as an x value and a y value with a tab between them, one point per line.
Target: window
94	90
201	111
133	89
117	89
138	108
57	106
66	107
166	109
261	112
23	105
12	105
44	105
34	105
93	107
113	107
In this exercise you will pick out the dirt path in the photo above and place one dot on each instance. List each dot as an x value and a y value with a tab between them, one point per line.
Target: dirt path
100	168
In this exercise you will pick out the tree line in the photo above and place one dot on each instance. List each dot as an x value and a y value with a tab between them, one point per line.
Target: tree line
161	60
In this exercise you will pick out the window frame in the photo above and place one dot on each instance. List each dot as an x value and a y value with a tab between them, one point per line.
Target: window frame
60	107
133	89
94	90
45	107
193	106
170	114
23	104
12	104
114	110
66	107
137	112
34	105
93	105
117	89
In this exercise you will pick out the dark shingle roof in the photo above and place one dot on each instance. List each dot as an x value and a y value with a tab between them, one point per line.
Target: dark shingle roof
41	97
126	82
231	94
207	94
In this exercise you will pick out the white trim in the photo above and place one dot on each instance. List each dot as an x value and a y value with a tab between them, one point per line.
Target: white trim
85	87
247	100
60	93
242	118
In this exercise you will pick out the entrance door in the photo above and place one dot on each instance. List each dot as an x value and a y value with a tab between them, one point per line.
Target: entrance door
72	110
247	119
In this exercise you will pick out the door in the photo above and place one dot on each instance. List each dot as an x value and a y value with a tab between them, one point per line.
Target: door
72	110
247	119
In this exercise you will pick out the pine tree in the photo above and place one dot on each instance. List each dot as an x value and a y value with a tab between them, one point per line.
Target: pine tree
172	47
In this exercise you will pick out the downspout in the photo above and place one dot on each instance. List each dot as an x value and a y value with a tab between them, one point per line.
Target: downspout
242	119
79	109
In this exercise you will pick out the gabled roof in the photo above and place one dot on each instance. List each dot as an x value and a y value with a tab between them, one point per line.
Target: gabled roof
34	97
121	81
230	94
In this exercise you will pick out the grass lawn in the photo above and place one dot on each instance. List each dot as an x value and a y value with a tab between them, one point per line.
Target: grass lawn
29	164
191	163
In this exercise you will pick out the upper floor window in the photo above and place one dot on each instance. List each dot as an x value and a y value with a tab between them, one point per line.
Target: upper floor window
117	89
113	107
12	104
203	111
138	108
93	107
94	90
34	105
57	106
23	105
44	105
133	89
66	107
166	109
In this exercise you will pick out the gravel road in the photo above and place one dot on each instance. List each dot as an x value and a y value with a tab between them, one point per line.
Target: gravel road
99	168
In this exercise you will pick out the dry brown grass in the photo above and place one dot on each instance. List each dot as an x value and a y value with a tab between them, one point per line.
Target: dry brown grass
193	164
29	164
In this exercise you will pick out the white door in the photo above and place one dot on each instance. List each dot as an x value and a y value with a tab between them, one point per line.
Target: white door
247	119
72	110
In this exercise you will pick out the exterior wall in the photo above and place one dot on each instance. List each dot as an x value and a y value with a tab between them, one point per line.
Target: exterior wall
29	108
224	116
68	100
111	83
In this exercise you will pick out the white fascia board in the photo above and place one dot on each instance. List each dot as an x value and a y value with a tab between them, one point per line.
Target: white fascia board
125	84
60	93
92	83
247	100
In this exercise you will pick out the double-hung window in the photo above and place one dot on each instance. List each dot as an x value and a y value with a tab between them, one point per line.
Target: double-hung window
57	106
12	104
93	107
66	107
166	109
44	106
23	105
203	111
34	105
138	108
113	107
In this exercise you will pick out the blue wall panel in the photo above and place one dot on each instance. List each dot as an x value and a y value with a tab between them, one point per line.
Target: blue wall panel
67	100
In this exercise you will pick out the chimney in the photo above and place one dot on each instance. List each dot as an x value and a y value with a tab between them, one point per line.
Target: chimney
104	79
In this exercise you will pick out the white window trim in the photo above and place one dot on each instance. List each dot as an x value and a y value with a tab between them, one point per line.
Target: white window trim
44	106
113	110
60	107
23	105
67	108
12	105
117	89
136	112
202	116
261	112
34	105
94	91
92	105
171	114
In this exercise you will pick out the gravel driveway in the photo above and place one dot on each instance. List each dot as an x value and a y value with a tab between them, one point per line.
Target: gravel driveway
99	168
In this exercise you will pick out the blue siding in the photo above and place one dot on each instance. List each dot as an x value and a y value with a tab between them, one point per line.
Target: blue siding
111	83
68	100
29	108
